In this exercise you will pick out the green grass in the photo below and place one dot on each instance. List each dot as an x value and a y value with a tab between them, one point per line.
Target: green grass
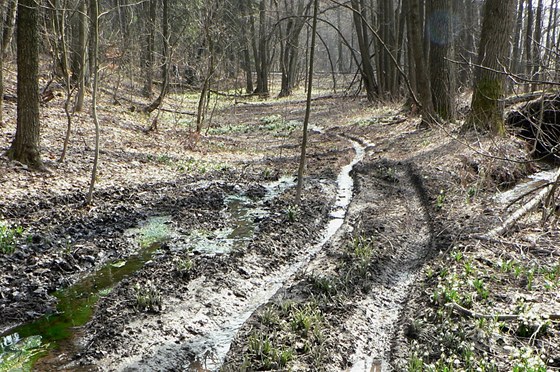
148	298
9	236
155	231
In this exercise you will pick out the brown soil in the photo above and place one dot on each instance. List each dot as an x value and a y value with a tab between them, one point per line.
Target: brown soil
377	293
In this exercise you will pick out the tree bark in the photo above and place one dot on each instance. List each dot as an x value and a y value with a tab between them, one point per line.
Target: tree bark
8	27
25	147
537	38
489	88
94	7
79	60
302	158
148	55
262	60
245	44
166	60
366	69
422	78
516	62
386	70
440	23
529	41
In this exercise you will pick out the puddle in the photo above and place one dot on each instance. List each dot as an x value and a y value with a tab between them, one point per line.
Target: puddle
53	332
242	212
213	346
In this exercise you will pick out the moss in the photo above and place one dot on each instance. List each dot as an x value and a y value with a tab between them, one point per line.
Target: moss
486	109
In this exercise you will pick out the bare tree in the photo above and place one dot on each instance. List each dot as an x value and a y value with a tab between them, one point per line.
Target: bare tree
302	158
166	60
150	10
94	7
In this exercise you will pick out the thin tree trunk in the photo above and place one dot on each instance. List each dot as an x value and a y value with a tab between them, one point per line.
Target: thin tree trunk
9	26
246	55
67	80
262	60
517	47
536	65
94	7
80	56
148	63
166	61
302	158
529	42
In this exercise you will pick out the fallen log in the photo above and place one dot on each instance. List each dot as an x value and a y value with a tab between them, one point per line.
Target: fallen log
526	208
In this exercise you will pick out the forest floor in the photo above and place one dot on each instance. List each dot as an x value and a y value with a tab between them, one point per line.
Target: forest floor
200	259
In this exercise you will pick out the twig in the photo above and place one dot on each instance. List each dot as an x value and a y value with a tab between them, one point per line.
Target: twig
499	317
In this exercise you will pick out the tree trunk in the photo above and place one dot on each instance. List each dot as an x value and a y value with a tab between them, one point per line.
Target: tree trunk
537	38
290	55
8	27
422	79
517	47
302	158
166	60
262	60
79	65
246	55
368	75
94	7
529	42
25	147
440	23
148	63
489	88
386	70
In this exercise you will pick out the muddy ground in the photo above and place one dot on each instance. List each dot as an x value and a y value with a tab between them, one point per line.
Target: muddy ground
379	292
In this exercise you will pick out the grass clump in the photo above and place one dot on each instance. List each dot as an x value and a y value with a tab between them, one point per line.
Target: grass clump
147	298
9	236
184	267
266	355
285	332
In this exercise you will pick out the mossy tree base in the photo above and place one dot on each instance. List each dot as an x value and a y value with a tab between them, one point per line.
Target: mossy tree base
487	107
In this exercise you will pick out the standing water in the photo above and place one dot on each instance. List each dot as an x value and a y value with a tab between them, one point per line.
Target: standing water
22	346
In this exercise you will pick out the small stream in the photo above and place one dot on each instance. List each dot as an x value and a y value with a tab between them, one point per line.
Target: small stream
23	345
